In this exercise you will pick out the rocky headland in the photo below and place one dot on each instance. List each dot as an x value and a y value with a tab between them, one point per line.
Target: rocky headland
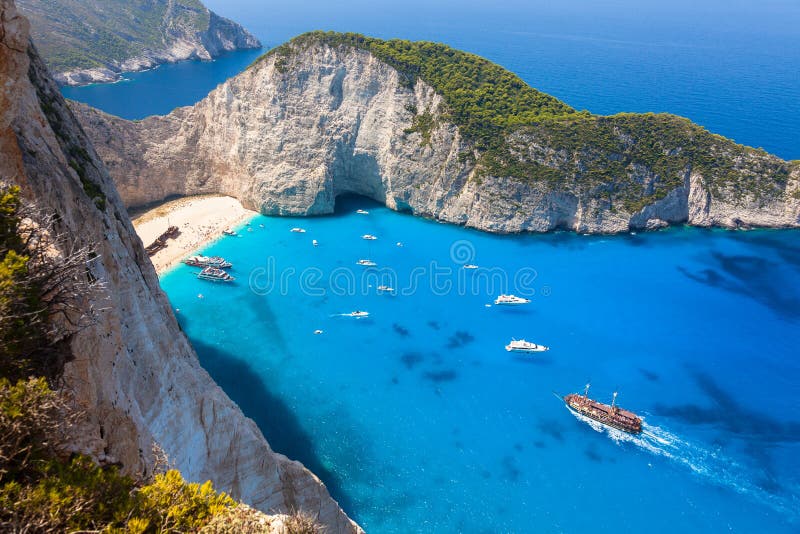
439	133
96	42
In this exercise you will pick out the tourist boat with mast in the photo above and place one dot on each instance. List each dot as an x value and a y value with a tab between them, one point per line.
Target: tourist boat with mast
510	300
208	261
609	415
214	275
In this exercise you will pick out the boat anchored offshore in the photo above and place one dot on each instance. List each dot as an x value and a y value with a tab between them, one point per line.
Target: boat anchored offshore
369	237
208	261
362	212
385	289
510	300
229	232
520	345
366	263
298	230
215	275
358	314
612	415
470	266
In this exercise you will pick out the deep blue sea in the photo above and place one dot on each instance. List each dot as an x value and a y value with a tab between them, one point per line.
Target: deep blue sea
417	418
730	65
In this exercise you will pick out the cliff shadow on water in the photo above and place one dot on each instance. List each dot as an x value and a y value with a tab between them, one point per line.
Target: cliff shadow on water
274	418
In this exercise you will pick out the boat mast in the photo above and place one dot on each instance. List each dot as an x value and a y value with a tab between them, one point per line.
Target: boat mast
586	391
614	402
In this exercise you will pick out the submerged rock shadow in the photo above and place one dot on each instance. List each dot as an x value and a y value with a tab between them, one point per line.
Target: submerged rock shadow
751	276
274	418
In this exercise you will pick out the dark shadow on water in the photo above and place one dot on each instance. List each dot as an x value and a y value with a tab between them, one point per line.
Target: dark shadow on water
510	470
552	428
411	359
274	418
400	330
751	276
460	339
758	432
650	375
593	455
439	377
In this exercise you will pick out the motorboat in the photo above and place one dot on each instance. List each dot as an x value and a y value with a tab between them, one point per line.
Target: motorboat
215	275
208	261
358	314
315	242
229	232
386	289
362	212
298	230
510	300
520	345
470	266
369	237
366	263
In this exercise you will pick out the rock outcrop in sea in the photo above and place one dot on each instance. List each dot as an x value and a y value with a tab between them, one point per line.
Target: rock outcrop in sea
96	42
318	118
134	371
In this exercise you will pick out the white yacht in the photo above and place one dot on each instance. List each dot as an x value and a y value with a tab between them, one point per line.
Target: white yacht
366	263
298	230
510	300
520	345
358	314
362	212
315	242
369	237
470	266
385	289
399	243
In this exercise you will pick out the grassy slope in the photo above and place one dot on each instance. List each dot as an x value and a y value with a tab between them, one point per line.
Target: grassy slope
74	34
517	131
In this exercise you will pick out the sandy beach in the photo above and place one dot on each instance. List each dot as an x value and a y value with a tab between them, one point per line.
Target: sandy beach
201	219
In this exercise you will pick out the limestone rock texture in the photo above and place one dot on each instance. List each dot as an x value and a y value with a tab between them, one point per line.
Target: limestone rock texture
291	133
134	371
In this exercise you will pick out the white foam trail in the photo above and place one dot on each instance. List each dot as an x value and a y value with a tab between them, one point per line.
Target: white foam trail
712	464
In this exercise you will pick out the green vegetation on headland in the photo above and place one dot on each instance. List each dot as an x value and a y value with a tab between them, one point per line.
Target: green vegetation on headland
512	130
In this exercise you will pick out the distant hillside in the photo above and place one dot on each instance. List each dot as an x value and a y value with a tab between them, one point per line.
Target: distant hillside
87	41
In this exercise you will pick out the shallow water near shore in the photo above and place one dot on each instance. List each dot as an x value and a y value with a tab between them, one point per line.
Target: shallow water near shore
418	420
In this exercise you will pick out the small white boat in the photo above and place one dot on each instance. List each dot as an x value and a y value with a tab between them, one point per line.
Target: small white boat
315	242
261	226
470	266
249	229
366	263
317	332
385	289
298	230
520	345
215	275
399	243
510	300
362	212
369	237
229	232
358	314
208	261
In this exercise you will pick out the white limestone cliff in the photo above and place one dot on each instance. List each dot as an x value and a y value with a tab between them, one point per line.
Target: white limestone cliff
134	371
294	131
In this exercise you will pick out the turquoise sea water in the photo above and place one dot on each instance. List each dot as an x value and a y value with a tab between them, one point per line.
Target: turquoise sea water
730	65
419	420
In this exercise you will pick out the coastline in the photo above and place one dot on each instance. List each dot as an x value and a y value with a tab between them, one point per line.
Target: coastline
200	219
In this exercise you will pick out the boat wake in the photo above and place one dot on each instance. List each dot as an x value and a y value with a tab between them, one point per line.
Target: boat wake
709	463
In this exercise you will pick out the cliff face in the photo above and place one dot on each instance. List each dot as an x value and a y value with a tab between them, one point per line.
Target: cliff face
134	371
314	121
88	43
